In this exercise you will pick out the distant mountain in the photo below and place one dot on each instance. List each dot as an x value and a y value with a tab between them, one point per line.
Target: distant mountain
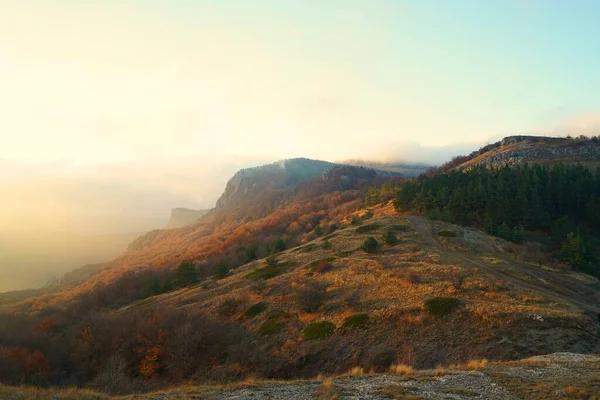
515	150
184	216
406	169
251	183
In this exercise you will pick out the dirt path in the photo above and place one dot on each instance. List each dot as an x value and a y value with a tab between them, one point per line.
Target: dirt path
423	226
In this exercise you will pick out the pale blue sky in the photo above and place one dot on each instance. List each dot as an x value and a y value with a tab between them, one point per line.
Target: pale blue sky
143	92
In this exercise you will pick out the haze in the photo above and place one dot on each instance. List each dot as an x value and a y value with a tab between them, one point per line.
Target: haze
113	112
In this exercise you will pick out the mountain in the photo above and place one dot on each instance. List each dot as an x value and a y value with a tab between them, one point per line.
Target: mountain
184	216
291	276
518	150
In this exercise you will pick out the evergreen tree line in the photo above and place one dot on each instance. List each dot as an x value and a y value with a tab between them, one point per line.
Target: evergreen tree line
562	201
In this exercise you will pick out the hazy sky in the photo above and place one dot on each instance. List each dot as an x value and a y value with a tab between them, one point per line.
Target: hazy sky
129	107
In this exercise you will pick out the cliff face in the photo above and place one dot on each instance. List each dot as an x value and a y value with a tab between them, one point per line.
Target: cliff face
249	182
184	216
515	150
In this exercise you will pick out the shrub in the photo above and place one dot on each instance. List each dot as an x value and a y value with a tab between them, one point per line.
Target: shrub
326	244
344	253
256	309
367	228
252	252
382	356
359	320
356	371
457	281
268	272
273	324
367	215
447	233
390	239
321	266
318	330
399	228
370	245
308	248
311	296
272	261
229	307
411	277
441	306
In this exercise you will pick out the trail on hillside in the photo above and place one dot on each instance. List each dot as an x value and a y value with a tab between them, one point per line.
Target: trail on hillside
424	227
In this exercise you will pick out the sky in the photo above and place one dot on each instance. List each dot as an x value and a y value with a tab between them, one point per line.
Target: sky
114	111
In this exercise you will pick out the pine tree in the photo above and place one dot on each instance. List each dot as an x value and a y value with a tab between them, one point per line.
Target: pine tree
186	274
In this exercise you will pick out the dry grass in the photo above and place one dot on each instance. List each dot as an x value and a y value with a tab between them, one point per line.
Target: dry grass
356	371
440	370
401	369
474	365
398	392
33	393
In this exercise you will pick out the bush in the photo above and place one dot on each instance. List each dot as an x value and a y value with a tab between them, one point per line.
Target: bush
273	324
318	330
326	244
355	321
311	296
345	253
370	245
272	261
228	307
399	228
268	272
390	239
447	234
256	309
367	228
441	306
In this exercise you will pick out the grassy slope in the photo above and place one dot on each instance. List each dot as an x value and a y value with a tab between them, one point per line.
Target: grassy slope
511	308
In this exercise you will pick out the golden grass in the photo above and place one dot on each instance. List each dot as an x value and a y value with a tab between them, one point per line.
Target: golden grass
401	369
440	370
474	365
356	371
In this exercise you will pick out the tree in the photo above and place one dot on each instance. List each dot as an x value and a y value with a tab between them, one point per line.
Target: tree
279	245
252	252
576	252
390	239
221	269
370	245
186	274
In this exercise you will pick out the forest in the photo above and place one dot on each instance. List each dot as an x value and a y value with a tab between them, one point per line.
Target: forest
557	205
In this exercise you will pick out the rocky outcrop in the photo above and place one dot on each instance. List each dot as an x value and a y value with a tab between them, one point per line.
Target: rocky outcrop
279	175
515	150
184	216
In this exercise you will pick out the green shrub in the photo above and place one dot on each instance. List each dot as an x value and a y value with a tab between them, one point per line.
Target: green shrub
447	233
326	244
367	228
268	272
318	330
344	253
441	306
272	261
390	239
330	236
399	228
367	215
355	321
370	245
308	248
186	274
273	324
256	309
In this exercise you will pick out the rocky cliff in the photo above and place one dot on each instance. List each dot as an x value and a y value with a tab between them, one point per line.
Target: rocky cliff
515	150
184	216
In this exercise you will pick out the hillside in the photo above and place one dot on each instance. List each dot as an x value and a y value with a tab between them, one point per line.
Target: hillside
518	150
290	277
509	307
